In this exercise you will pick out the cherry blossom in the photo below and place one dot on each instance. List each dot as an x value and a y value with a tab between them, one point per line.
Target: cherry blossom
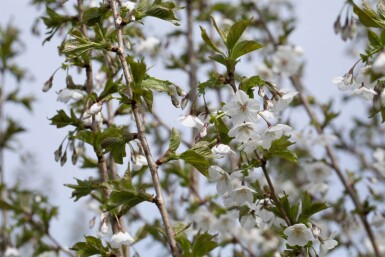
121	238
242	109
67	94
345	82
298	234
191	121
327	244
244	131
222	178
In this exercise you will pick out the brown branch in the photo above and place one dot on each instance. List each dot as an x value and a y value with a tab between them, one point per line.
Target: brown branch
192	73
142	138
273	194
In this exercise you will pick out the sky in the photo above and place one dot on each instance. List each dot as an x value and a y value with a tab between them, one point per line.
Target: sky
324	54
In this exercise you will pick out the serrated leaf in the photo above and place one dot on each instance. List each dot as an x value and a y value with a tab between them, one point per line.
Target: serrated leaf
61	119
367	15
203	244
82	188
374	39
279	148
92	246
174	140
235	33
197	160
244	47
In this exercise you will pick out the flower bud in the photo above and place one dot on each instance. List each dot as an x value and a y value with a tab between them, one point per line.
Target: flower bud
48	84
95	108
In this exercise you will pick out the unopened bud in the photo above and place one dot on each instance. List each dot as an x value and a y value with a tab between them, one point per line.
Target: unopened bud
57	153
48	84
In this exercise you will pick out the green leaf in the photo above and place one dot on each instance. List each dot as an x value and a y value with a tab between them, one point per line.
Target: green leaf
208	41
11	130
244	47
158	9
248	84
367	15
221	33
114	140
197	160
203	244
124	194
174	140
219	58
83	188
92	246
148	98
138	70
310	208
86	136
235	32
374	40
61	119
279	149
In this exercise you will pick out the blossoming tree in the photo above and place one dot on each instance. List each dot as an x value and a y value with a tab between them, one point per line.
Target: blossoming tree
243	178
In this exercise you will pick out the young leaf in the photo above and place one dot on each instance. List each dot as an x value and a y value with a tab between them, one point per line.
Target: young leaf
221	33
196	160
235	32
244	47
174	140
203	244
208	41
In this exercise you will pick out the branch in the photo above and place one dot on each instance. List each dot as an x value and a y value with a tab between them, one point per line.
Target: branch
349	189
143	140
273	194
192	73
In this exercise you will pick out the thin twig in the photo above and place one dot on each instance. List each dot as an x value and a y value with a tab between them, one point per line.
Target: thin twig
142	138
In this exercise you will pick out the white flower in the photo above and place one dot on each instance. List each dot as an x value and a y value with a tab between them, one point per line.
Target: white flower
138	162
129	5
285	60
249	221
95	108
220	150
327	244
379	64
242	109
344	83
274	133
148	45
283	101
244	131
191	121
298	234
67	94
364	92
363	78
242	195
121	238
88	121
11	252
222	178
